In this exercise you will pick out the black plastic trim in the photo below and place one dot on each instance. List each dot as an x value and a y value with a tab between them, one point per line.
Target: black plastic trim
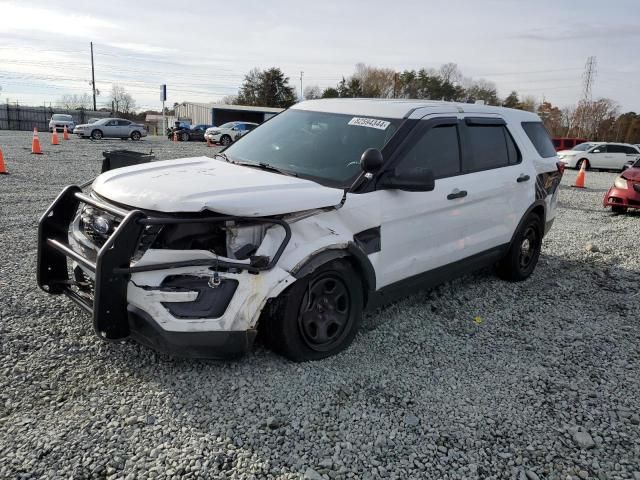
484	121
431	278
211	302
216	345
369	240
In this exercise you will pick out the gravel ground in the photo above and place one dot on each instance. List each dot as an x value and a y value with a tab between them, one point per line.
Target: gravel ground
543	385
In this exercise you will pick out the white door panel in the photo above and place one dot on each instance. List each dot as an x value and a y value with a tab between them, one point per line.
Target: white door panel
420	231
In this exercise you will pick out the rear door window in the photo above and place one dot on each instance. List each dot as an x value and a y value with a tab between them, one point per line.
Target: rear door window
540	138
488	147
437	149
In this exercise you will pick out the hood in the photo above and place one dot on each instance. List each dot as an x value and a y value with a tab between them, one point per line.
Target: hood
632	173
203	183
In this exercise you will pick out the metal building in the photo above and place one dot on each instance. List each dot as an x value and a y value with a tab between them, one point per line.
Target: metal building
218	113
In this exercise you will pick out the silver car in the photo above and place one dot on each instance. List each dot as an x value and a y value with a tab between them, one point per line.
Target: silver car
59	121
111	128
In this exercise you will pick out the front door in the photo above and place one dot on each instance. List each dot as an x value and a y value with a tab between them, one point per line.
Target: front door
421	231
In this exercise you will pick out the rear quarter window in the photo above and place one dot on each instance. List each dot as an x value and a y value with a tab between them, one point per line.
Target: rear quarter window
540	138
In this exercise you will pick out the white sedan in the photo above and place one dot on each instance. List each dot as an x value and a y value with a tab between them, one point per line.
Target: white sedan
229	132
111	128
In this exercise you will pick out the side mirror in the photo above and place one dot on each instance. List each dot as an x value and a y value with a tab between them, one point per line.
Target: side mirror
371	161
413	180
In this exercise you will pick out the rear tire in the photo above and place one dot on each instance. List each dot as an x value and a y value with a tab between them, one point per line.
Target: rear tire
96	134
618	209
579	164
318	316
522	257
135	136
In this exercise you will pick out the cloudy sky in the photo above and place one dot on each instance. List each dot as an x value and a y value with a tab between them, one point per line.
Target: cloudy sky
202	50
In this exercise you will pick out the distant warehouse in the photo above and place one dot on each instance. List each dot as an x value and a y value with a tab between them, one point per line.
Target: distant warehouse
216	113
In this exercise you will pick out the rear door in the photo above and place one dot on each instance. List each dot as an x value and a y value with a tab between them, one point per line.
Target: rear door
500	186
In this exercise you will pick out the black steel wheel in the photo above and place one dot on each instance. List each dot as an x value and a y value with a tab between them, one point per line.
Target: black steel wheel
521	259
318	316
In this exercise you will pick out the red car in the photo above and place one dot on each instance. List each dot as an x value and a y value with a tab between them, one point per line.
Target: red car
625	192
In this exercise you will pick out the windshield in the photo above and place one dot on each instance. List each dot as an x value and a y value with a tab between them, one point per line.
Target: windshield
93	120
63	118
324	146
637	164
583	147
227	125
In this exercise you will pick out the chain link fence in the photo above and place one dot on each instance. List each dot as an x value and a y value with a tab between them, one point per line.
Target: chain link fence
19	117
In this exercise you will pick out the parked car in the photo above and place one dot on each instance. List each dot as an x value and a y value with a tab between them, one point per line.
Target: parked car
59	121
228	133
111	128
610	156
625	192
328	209
189	133
566	143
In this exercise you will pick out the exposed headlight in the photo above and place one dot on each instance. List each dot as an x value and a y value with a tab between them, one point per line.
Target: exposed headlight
620	182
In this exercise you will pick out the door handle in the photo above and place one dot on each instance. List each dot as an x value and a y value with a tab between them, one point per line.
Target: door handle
522	178
457	194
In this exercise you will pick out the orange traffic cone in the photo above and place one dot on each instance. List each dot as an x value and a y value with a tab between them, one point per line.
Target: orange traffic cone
54	137
3	168
175	136
65	133
209	144
581	175
35	143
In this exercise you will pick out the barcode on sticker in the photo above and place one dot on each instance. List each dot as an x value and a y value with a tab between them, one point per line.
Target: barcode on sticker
369	122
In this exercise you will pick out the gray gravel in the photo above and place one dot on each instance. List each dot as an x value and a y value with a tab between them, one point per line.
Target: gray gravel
544	385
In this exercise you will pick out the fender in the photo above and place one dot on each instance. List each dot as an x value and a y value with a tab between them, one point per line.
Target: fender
334	252
538	204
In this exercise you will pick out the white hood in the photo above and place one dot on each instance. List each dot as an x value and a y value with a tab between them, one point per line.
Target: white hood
203	183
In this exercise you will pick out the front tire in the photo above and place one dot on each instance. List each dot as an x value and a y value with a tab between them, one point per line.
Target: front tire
522	257
580	162
184	137
618	209
225	140
96	134
319	315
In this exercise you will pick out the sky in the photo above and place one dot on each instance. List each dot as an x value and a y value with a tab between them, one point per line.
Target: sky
202	50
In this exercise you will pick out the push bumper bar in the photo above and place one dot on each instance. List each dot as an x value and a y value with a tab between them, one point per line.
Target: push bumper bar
112	319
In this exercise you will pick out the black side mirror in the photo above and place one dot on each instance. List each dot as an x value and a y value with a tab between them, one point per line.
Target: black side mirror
371	160
412	180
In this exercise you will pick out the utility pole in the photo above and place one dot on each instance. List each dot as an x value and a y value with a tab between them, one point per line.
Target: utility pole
301	94
93	79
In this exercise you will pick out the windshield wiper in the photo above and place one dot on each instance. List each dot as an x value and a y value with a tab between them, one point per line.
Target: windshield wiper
267	167
223	156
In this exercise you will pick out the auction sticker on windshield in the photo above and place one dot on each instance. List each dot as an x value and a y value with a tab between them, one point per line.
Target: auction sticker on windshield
369	122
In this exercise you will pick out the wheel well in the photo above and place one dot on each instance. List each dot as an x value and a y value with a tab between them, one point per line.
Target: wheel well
539	210
353	254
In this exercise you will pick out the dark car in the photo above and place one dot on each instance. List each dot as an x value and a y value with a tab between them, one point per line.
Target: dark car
625	192
189	132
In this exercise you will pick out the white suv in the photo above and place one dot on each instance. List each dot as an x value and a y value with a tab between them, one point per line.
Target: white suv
328	209
228	133
611	156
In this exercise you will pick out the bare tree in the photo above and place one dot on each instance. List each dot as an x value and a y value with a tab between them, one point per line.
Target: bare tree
312	92
122	101
449	72
74	102
229	100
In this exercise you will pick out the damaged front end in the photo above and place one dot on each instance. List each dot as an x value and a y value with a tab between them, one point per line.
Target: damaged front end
191	284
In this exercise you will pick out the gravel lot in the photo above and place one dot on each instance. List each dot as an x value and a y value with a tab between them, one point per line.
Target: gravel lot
544	385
